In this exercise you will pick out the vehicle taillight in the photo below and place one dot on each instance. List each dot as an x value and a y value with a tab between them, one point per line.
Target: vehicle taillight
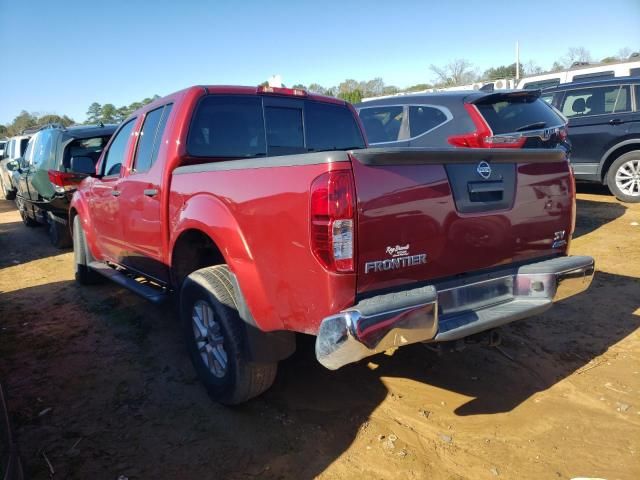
333	220
563	133
65	181
483	137
296	92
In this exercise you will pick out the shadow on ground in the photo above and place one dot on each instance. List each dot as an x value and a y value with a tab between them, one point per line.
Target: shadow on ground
591	215
114	372
21	244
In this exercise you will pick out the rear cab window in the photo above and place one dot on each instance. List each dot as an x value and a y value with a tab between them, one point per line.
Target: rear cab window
246	126
511	114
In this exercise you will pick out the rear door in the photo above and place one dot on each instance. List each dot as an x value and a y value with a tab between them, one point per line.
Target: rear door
432	214
140	197
598	118
105	193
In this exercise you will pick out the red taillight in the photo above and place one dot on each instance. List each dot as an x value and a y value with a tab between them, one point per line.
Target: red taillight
333	220
483	136
563	133
296	92
64	181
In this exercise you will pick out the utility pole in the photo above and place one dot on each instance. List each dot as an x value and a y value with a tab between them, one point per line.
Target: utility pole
517	61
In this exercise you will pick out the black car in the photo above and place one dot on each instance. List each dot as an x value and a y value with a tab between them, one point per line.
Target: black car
476	119
55	161
604	127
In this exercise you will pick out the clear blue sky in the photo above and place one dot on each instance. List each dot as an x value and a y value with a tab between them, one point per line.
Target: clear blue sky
58	57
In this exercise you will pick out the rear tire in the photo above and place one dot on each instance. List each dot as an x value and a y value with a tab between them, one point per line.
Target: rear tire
623	177
26	219
59	234
216	338
82	257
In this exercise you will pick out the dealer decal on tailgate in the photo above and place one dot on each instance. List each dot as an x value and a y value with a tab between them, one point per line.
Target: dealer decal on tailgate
400	259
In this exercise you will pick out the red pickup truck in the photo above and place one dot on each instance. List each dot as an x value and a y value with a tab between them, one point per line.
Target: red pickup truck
265	213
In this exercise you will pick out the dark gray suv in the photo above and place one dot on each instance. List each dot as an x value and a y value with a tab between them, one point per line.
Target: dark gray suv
472	119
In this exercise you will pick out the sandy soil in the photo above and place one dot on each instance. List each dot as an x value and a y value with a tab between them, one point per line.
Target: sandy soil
99	384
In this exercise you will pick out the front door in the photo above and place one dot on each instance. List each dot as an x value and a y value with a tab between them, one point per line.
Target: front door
140	196
105	194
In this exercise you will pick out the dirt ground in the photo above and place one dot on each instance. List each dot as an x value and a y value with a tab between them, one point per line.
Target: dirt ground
100	386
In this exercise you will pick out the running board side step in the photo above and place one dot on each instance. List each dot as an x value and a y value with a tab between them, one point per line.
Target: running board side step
151	294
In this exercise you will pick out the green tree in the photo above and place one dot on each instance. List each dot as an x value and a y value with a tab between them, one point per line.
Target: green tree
503	71
419	87
22	121
354	96
55	119
109	113
317	88
94	113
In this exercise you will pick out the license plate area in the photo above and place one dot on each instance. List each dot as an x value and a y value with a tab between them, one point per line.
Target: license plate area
476	295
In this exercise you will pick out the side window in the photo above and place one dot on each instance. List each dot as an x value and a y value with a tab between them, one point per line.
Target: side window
115	155
26	158
547	97
423	118
32	158
542	84
596	101
23	146
382	124
42	150
147	139
622	102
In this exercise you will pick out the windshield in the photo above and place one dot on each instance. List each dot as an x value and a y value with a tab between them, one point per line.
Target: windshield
84	147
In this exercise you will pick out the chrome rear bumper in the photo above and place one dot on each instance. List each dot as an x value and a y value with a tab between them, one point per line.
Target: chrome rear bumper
449	310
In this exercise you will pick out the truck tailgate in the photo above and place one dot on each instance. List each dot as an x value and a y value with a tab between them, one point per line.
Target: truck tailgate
428	214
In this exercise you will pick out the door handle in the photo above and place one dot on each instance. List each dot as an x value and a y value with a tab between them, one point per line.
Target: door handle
151	192
616	121
115	193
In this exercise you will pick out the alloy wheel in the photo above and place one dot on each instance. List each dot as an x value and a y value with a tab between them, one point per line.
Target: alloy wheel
209	338
628	178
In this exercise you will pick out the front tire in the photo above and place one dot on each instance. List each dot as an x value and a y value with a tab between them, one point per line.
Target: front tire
623	177
7	194
82	257
216	338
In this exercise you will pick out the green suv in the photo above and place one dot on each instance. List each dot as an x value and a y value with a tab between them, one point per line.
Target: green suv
56	160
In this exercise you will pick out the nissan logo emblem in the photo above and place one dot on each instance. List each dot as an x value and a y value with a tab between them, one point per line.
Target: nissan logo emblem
484	169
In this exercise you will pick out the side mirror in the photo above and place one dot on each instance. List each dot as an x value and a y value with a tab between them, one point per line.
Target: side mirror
83	165
13	166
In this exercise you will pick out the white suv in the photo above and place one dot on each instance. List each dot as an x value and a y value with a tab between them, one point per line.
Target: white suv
13	150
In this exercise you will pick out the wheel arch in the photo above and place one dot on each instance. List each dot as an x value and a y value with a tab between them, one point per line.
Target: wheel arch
614	153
